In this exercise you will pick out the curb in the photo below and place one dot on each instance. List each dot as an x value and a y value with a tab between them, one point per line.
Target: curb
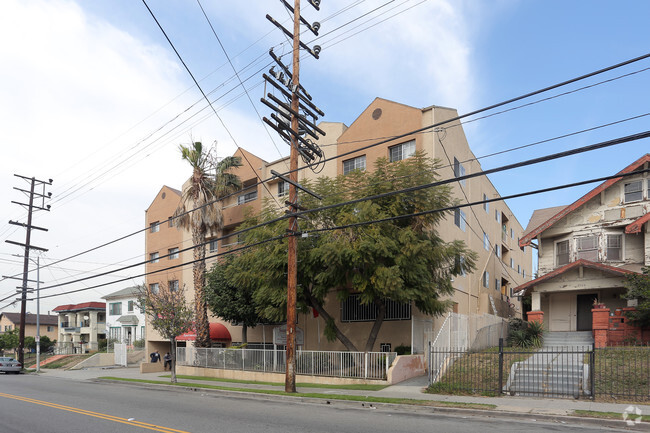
395	407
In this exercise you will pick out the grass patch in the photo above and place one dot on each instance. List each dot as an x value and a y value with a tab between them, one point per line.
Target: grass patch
622	373
607	415
67	362
315	395
358	387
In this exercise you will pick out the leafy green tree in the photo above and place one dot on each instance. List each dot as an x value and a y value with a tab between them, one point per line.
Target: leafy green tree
398	259
638	287
46	343
210	180
169	314
231	303
30	343
9	340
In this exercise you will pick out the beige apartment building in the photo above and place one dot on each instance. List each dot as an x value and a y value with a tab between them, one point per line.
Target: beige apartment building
490	229
48	324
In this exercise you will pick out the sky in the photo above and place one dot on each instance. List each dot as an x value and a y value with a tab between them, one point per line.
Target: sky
93	97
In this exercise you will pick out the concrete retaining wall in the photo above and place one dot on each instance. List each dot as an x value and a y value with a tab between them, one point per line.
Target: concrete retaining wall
405	367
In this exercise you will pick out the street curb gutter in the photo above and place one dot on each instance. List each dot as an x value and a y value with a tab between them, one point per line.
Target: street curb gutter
487	413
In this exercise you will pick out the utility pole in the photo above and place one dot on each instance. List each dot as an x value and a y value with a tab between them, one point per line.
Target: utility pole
293	127
31	207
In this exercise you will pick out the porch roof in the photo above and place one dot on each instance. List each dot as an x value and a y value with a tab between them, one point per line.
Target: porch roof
129	319
635	226
522	289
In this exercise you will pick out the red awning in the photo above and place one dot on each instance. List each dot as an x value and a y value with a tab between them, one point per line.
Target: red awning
218	332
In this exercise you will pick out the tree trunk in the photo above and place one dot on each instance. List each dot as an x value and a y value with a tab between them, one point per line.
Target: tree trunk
173	366
200	304
374	332
244	334
339	335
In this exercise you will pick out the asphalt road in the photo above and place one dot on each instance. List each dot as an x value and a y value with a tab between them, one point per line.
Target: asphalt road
41	404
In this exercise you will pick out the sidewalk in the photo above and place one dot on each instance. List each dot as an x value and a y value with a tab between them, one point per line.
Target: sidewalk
410	389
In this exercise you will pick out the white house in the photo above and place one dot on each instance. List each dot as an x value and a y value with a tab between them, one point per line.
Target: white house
125	321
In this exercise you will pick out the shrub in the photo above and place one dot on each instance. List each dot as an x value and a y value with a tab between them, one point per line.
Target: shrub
403	350
526	334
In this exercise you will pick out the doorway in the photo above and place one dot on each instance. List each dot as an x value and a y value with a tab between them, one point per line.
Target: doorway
585	318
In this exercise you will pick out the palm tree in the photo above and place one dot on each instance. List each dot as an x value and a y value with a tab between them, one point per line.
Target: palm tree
210	181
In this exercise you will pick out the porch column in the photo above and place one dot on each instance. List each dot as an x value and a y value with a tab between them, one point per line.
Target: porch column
600	326
536	301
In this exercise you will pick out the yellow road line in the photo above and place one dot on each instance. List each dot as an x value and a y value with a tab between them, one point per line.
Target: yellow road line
93	414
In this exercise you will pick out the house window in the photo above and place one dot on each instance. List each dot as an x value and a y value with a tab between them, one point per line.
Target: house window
401	151
384	347
352	310
245	198
358	163
153	257
115	308
213	246
459	170
486	241
587	248
7	328
173	253
562	253
283	188
154	227
173	285
459	262
115	333
143	335
459	219
486	279
633	191
155	288
129	306
486	205
614	247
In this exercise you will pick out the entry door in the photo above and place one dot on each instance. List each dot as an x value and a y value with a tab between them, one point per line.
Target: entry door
562	309
585	303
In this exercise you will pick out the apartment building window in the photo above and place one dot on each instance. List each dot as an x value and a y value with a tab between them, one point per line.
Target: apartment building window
486	279
614	247
497	215
170	221
512	233
401	151
352	310
587	248
459	219
155	288
633	191
50	328
173	253
385	347
283	188
512	263
213	246
154	227
358	163
518	269
248	197
153	257
497	250
459	170
486	205
523	273
562	253
129	306
496	284
486	241
173	285
115	309
7	328
459	262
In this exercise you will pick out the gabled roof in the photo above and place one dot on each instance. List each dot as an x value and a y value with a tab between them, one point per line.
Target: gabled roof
548	223
129	292
568	267
81	307
30	319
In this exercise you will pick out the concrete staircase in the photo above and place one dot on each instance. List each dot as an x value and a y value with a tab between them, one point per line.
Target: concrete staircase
559	369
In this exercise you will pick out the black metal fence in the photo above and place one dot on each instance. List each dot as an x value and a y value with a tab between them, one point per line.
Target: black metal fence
556	372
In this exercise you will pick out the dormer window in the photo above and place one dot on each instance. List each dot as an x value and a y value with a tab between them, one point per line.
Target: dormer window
633	191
